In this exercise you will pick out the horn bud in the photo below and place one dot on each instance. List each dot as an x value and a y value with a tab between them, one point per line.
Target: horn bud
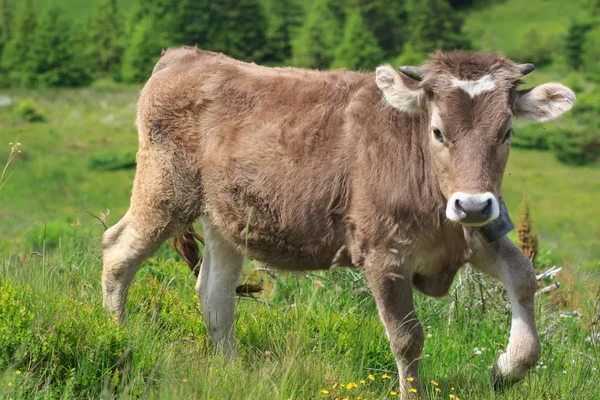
526	68
412	72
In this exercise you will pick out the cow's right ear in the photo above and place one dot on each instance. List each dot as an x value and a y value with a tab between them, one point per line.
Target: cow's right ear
400	91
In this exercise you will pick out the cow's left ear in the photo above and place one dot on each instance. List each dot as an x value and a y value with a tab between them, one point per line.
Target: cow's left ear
401	92
544	102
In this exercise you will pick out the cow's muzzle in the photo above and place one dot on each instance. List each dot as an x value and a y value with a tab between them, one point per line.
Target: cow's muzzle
472	209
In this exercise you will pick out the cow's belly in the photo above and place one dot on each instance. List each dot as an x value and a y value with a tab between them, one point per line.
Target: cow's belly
279	248
275	229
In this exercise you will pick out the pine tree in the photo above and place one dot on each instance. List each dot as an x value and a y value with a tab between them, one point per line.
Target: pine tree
574	43
6	22
387	21
54	59
16	50
593	7
589	58
143	51
315	44
162	12
432	24
284	19
359	48
190	22
105	47
237	28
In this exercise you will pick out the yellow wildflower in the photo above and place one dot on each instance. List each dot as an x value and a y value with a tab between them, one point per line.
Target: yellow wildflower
349	386
184	380
362	381
18	372
452	396
392	393
412	390
410	379
434	383
324	391
438	389
335	385
452	389
115	318
345	398
371	378
9	384
385	376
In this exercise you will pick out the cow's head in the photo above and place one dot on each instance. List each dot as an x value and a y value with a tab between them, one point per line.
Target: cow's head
469	102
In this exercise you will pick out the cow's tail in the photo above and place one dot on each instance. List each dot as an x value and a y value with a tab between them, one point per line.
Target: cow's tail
186	246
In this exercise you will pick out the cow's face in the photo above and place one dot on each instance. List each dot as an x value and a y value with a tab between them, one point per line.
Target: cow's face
469	102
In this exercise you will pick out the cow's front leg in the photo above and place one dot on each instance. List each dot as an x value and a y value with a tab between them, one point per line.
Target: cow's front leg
504	261
392	288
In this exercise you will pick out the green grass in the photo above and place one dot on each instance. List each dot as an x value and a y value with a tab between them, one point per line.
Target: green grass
294	342
563	200
500	26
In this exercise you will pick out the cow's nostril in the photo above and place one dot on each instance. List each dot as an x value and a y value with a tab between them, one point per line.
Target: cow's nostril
487	208
459	209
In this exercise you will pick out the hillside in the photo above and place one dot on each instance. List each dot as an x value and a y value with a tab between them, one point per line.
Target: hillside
504	25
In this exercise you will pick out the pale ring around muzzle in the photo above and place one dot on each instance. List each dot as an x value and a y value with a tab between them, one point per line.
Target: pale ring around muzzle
472	209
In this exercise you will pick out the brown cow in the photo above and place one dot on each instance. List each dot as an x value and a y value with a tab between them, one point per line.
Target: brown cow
392	172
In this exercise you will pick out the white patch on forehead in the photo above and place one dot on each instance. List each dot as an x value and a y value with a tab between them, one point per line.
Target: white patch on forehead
473	88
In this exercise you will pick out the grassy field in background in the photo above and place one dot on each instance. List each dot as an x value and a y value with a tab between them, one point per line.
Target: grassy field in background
503	25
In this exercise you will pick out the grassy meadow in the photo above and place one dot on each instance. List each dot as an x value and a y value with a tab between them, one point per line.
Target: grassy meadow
308	336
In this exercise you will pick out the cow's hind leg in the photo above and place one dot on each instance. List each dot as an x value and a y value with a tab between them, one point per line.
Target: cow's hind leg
504	261
218	279
124	249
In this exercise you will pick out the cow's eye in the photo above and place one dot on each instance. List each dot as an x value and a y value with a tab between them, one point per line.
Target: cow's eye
508	135
437	134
